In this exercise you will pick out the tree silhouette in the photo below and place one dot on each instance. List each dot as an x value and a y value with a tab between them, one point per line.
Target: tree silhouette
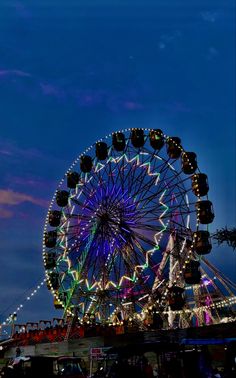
225	235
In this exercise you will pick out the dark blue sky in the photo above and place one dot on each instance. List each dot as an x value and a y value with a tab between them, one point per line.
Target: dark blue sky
74	71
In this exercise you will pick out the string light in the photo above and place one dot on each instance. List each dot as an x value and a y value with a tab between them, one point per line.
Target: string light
9	319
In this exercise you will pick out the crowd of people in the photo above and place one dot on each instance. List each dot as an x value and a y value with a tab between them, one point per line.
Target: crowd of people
125	368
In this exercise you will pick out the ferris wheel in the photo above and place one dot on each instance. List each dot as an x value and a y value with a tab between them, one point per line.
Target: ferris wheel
126	232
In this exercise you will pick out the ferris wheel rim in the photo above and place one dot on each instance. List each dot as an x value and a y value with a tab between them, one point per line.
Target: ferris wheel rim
76	161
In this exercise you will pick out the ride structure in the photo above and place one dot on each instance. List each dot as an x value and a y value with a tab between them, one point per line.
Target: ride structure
126	236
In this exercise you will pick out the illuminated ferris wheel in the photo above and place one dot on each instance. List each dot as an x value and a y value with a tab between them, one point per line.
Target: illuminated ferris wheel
126	231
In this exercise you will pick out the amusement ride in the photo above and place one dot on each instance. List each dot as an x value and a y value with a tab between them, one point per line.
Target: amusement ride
127	234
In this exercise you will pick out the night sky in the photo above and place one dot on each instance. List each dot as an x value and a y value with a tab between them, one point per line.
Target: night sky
71	72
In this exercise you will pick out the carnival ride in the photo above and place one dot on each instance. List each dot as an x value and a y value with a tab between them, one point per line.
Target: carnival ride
126	236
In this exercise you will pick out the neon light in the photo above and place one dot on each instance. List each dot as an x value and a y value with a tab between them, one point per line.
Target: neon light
99	167
148	166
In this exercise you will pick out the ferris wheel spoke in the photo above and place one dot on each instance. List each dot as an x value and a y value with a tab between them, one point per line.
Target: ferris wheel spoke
176	181
138	180
81	204
168	178
155	229
174	221
150	206
120	173
143	238
161	191
173	224
182	205
144	189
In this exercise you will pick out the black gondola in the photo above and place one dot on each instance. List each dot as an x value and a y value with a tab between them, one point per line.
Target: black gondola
192	275
50	260
86	163
54	279
118	141
54	218
176	298
205	212
156	139
72	179
173	147
200	185
57	304
157	320
189	162
137	138
201	242
50	239
60	299
101	150
62	197
63	296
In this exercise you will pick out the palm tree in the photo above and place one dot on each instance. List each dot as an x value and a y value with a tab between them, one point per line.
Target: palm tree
225	235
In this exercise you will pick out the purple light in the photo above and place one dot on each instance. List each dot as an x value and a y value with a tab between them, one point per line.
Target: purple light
206	282
86	237
207	316
125	230
127	207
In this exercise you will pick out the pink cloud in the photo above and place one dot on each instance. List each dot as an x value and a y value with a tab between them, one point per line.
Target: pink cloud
51	90
9	197
4	213
9	149
89	97
131	105
84	98
5	152
27	181
20	73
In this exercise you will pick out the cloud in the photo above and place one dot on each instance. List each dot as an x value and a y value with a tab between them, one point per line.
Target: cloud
64	89
9	148
210	16
90	97
162	45
130	105
4	213
113	101
23	172
168	39
27	181
11	198
212	53
51	90
19	73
